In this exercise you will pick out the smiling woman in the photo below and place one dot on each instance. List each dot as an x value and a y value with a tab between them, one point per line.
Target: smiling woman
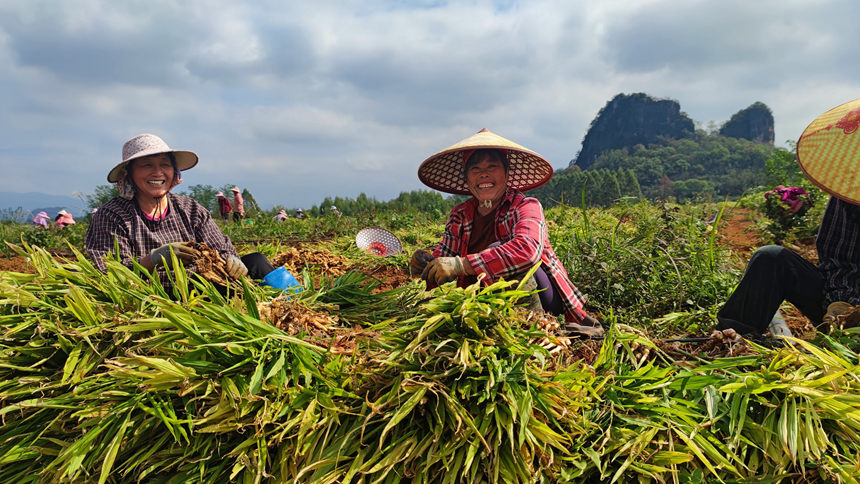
146	222
499	232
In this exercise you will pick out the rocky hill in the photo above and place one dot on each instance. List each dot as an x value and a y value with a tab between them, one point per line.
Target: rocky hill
754	123
631	119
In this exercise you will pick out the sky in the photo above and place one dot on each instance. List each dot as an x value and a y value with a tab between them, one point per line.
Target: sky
297	101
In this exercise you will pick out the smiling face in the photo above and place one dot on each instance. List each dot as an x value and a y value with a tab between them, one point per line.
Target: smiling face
152	175
487	178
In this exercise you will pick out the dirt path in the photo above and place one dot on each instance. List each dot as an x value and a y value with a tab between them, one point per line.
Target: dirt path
737	232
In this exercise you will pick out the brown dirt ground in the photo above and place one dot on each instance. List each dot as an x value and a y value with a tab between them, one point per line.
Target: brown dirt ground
16	263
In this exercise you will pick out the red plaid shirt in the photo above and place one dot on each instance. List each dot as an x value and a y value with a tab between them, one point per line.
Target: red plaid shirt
521	229
136	235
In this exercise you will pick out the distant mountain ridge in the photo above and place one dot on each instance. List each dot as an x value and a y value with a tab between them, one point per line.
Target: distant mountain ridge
23	206
628	120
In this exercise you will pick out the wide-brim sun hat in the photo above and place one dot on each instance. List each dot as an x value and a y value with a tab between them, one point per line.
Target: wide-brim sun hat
828	152
444	170
145	145
219	194
235	189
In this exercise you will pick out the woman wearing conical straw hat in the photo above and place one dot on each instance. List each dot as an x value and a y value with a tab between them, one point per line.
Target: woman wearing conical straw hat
828	152
147	222
498	232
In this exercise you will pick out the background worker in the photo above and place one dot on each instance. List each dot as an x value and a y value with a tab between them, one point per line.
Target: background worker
224	206
146	221
498	232
238	205
41	220
827	154
64	218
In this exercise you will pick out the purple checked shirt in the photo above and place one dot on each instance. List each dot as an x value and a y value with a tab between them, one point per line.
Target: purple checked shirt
136	235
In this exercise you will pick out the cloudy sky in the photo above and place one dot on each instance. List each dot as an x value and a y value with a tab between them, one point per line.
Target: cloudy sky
297	101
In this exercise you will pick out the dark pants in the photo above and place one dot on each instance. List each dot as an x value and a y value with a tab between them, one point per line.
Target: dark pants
258	267
547	299
774	274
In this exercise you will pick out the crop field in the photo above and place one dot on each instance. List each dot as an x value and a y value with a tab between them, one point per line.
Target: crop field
366	376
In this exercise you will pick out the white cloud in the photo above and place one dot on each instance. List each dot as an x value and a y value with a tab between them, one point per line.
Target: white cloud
301	100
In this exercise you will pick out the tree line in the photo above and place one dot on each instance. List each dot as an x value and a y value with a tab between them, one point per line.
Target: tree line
706	167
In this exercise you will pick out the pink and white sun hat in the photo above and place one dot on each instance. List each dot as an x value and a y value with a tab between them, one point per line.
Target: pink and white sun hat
145	145
219	194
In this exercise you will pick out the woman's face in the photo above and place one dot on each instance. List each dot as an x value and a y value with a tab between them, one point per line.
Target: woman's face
152	175
487	180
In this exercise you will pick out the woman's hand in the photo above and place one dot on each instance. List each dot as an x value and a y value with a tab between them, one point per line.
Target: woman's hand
236	268
160	256
443	269
420	259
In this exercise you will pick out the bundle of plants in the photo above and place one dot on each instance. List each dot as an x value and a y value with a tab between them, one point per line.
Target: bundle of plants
108	377
104	378
787	414
462	393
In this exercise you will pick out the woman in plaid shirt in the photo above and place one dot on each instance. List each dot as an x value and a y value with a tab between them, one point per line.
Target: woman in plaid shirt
499	232
147	222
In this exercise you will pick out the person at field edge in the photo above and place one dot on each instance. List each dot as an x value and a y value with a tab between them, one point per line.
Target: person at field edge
224	206
238	205
300	214
826	151
335	211
498	232
41	220
281	216
775	274
64	219
147	222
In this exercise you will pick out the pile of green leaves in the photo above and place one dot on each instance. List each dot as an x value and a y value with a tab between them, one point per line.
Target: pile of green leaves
641	262
108	378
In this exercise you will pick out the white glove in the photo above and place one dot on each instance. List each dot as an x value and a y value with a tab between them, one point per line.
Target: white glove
443	269
236	268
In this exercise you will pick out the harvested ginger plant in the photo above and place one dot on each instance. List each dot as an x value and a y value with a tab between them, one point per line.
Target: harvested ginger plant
296	259
210	265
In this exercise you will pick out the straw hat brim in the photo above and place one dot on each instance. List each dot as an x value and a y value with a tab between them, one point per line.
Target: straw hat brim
185	160
828	152
444	170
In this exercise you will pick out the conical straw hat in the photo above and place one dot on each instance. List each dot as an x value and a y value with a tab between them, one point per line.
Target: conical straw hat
829	152
444	170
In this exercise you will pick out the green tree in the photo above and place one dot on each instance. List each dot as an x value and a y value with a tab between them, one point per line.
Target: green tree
251	206
205	195
103	194
782	167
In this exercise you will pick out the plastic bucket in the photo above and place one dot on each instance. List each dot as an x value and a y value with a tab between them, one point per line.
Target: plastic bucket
282	279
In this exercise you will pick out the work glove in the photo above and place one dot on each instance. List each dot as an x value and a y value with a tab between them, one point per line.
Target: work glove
235	267
588	328
419	261
160	256
443	269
